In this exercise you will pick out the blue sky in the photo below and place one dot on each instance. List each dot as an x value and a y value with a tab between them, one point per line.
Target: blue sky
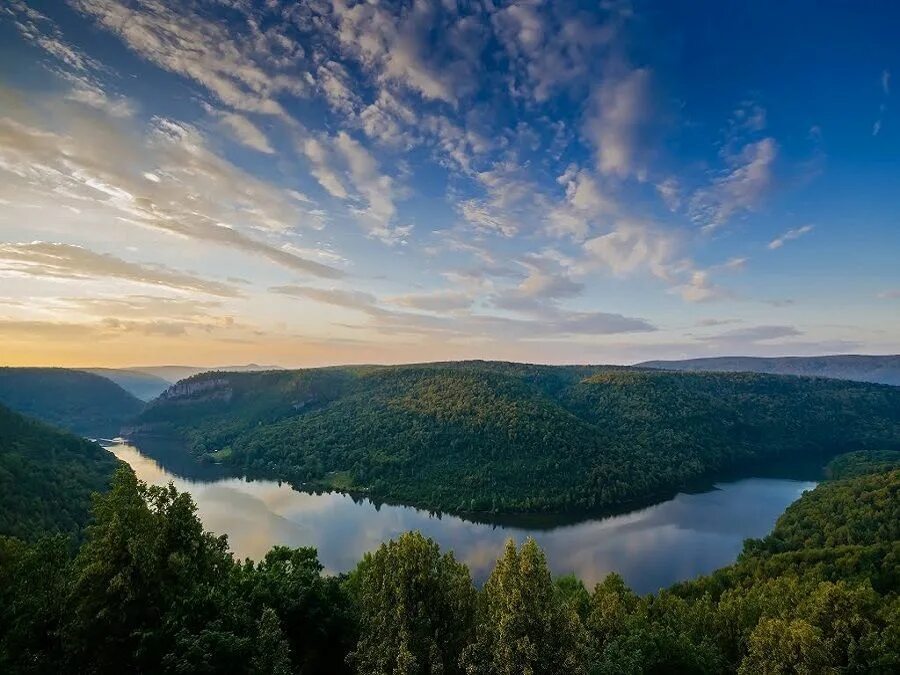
327	182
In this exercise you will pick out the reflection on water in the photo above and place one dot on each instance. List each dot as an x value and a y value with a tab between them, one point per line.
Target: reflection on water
651	547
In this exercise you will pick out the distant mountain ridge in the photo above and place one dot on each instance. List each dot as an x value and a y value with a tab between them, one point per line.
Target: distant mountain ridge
855	367
144	386
148	382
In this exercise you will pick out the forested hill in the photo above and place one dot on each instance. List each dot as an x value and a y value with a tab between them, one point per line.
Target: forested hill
503	437
84	403
46	477
860	368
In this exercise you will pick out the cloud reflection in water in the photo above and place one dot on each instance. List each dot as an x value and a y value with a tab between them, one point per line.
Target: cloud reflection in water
651	547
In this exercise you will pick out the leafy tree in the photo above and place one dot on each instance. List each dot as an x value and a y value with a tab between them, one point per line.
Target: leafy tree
272	651
416	609
780	646
524	623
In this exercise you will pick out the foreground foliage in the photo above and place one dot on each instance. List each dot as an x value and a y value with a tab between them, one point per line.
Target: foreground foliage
504	437
150	591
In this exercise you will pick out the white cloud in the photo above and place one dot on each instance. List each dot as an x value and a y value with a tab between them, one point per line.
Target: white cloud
377	189
584	205
319	155
393	45
101	171
620	111
435	301
66	261
551	46
180	39
245	132
632	246
790	235
743	187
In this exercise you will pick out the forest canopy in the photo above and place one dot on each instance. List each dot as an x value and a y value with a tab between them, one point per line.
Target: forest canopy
505	437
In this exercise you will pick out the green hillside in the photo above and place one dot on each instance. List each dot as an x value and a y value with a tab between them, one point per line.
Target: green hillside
81	402
46	477
483	436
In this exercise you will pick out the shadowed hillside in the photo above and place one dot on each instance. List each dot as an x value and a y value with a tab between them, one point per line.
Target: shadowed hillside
46	477
84	403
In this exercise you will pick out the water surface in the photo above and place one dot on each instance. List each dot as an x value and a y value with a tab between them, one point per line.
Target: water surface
651	547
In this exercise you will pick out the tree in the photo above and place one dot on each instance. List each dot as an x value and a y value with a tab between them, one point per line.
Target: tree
780	646
525	625
273	655
416	609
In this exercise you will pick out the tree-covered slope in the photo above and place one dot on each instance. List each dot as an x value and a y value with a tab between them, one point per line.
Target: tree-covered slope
46	477
858	367
81	402
482	436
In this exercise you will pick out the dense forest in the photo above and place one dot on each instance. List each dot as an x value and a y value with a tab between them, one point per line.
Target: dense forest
46	477
503	437
82	402
149	591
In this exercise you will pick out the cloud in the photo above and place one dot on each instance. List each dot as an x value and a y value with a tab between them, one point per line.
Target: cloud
700	288
65	261
743	187
142	306
892	294
790	235
670	193
435	301
376	189
393	46
882	109
551	47
619	112
545	321
585	203
179	38
245	132
755	334
357	300
167	180
631	246
320	157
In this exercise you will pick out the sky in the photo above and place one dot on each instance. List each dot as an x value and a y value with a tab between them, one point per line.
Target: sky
213	182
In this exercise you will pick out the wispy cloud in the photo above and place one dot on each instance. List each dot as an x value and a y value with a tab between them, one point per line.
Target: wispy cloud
882	109
742	187
790	235
65	261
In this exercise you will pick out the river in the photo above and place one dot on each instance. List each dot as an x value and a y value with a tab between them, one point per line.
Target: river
651	547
